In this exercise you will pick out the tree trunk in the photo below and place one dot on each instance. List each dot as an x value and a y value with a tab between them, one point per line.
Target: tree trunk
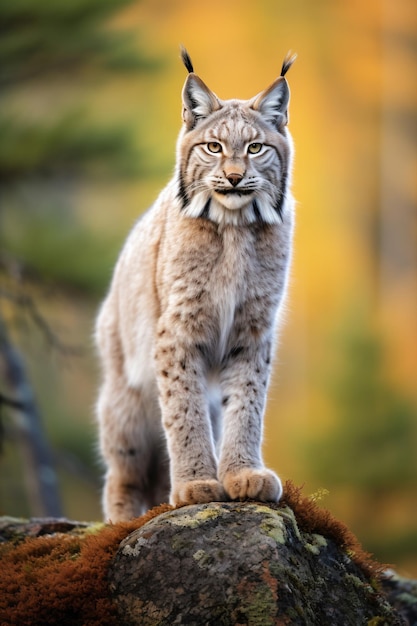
40	475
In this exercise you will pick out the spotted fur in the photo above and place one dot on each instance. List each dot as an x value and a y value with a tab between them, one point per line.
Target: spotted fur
187	330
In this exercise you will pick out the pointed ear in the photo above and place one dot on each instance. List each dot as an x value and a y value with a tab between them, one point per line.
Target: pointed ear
273	102
198	101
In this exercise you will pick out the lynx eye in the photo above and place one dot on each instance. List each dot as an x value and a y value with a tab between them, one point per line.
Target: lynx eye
214	146
254	148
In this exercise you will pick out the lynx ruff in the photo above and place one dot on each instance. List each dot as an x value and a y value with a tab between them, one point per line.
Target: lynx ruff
185	334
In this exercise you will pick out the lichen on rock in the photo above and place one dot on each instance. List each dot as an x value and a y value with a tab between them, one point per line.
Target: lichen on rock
240	563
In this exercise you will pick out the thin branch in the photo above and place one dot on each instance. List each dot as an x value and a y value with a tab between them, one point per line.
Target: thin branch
10	402
27	304
63	459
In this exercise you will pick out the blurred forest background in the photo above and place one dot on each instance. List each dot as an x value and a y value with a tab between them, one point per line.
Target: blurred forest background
89	114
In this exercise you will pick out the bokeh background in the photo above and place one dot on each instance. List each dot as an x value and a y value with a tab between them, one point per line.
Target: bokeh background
89	114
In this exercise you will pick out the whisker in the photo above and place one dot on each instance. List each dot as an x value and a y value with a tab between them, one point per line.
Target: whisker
196	185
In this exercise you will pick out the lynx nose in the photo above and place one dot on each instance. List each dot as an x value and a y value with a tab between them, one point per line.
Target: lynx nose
234	179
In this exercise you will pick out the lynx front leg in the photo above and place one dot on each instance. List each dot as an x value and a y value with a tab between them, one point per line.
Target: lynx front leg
185	416
241	469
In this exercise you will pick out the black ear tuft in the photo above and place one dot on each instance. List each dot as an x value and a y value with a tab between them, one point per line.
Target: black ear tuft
186	60
288	61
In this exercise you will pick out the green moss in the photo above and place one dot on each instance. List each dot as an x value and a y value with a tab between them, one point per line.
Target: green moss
260	508
91	529
320	541
316	544
288	514
312	548
274	527
209	513
195	519
179	542
185	520
203	559
8	519
357	582
258	605
406	598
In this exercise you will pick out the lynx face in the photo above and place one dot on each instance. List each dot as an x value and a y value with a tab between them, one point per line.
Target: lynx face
233	155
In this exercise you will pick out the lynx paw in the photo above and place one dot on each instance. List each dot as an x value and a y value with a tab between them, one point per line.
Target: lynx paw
253	484
197	492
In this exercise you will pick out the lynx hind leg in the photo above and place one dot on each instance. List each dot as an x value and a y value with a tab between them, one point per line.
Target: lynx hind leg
134	450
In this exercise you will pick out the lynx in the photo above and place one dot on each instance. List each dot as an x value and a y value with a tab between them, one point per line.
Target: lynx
186	332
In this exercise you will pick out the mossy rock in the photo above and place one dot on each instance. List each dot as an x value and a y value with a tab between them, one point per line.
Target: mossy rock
219	563
241	563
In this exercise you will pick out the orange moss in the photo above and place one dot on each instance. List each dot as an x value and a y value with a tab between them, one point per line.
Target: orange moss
62	578
313	519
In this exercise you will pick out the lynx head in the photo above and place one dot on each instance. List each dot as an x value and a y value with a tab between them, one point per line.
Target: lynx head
234	156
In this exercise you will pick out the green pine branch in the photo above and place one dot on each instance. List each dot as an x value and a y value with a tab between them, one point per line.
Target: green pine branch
39	37
70	145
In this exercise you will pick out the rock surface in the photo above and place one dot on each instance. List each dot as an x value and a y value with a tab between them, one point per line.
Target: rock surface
402	595
240	563
220	563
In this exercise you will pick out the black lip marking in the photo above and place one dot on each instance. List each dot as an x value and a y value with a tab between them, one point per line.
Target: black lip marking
239	192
